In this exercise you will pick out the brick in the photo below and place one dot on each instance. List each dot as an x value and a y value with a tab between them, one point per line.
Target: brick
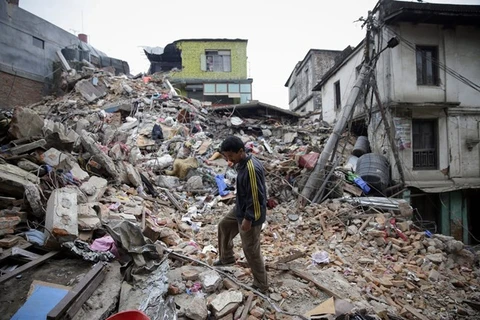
257	312
9	222
18	91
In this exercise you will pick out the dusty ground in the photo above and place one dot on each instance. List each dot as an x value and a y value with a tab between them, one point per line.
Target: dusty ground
60	270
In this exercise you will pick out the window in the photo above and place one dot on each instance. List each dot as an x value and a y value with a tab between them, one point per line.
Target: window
424	144
427	66
338	97
39	43
218	61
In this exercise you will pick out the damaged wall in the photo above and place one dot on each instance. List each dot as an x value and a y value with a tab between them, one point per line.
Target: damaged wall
346	76
305	75
29	45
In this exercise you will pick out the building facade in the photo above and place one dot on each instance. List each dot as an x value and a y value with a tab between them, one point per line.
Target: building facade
305	75
213	70
28	53
428	86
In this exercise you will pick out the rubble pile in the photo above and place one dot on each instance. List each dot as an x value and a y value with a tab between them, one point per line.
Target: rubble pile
127	169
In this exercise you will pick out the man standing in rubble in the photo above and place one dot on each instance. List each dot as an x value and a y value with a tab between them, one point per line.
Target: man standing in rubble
249	212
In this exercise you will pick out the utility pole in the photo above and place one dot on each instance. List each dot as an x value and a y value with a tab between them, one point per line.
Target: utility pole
315	178
318	175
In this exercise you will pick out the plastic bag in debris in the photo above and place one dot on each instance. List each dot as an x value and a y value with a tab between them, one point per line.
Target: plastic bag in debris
81	249
104	244
35	236
320	257
222	186
157	133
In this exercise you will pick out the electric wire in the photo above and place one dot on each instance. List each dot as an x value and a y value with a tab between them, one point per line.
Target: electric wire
411	46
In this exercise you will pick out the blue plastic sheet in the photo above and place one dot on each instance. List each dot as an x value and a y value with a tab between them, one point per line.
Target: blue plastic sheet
222	186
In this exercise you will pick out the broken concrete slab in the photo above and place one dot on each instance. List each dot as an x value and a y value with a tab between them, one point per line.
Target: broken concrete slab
211	280
87	217
89	91
168	182
133	175
34	199
31	167
61	218
194	183
25	123
91	146
225	298
13	180
52	157
94	188
197	309
28	147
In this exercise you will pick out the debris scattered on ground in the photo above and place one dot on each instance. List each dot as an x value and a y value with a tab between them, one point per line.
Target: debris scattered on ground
124	169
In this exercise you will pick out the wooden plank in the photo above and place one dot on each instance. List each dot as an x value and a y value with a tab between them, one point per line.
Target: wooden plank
69	301
357	192
291	257
30	255
309	277
27	266
8	253
87	293
246	309
365	224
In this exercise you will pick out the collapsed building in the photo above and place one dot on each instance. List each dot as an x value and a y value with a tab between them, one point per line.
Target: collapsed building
117	186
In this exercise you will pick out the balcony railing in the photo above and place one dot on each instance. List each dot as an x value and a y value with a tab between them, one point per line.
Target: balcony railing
424	159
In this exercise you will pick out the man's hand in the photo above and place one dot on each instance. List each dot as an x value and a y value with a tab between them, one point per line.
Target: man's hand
246	225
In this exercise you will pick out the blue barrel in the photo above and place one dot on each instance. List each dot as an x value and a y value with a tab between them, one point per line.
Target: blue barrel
375	170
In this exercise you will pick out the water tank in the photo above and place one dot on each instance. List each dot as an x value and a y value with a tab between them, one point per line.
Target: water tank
361	146
83	37
375	170
71	54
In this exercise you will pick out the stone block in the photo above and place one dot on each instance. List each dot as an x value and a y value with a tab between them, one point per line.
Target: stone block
89	91
9	222
32	194
94	188
87	217
225	298
257	312
190	274
197	309
53	157
62	214
133	175
211	280
229	308
25	123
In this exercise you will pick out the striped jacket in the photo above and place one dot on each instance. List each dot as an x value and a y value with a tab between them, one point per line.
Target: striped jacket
251	200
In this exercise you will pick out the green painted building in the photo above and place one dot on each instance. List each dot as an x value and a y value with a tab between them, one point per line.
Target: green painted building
213	70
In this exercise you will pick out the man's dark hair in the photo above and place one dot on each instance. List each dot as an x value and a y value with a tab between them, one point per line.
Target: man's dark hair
232	144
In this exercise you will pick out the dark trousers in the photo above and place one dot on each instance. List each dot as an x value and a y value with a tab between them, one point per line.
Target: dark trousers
228	228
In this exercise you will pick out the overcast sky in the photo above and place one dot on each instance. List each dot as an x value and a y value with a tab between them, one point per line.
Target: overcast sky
279	33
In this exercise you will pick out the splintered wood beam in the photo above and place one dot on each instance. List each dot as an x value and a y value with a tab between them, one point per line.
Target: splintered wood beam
291	257
309	277
27	266
76	297
246	309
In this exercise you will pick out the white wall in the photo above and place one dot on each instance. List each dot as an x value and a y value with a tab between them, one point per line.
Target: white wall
347	76
458	48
